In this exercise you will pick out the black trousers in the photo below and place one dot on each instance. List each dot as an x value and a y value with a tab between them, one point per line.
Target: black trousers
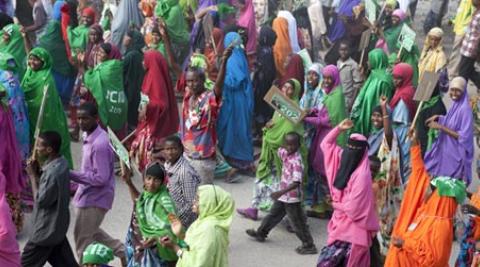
467	70
295	214
60	255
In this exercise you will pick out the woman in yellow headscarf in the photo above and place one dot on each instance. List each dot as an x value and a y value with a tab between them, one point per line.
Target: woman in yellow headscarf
433	56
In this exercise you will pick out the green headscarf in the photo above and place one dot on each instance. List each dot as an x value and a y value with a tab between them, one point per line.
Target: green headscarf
53	42
273	139
15	47
200	61
335	104
207	237
172	14
379	83
152	211
105	82
54	118
8	62
78	37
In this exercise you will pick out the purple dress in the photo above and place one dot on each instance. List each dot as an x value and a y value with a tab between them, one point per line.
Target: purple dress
449	156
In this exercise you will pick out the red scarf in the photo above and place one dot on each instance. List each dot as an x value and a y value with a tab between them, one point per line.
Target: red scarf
405	91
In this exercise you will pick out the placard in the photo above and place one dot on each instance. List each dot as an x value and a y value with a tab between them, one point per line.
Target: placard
407	38
118	148
427	85
285	106
365	40
371	10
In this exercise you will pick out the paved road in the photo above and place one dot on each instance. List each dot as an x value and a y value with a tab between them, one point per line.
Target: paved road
277	251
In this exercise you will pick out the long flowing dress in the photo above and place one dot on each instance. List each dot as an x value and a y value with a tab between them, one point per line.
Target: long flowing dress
379	83
207	237
52	41
264	75
354	218
127	15
246	19
270	166
11	182
449	156
432	59
282	47
15	47
105	83
425	225
54	118
236	112
133	75
161	116
150	220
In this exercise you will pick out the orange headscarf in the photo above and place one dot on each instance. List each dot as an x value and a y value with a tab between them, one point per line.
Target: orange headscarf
281	48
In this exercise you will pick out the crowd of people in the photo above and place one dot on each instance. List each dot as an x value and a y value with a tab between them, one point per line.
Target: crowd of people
383	148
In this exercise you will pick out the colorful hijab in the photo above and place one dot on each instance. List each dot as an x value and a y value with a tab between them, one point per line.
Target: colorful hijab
236	112
15	47
449	156
54	118
313	97
162	105
379	83
207	237
432	59
246	20
282	47
292	29
334	100
152	211
294	70
405	91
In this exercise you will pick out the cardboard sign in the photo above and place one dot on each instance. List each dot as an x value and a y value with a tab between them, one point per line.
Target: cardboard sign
371	10
285	106
407	38
365	40
118	148
307	60
427	85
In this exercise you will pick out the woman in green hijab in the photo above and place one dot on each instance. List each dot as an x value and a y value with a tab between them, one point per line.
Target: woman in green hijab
207	238
379	83
151	219
37	77
12	43
270	166
105	83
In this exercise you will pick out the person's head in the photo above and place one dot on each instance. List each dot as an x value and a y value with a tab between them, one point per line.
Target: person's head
261	8
97	254
390	6
313	75
243	32
374	165
291	142
172	148
377	118
8	31
377	59
133	39
351	158
95	34
435	36
267	36
289	89
156	37
212	200
457	88
344	50
402	75
87	117
398	16
104	52
88	16
330	78
34	62
49	144
195	79
154	177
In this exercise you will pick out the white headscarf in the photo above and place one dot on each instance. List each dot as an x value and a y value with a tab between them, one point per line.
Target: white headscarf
317	21
292	29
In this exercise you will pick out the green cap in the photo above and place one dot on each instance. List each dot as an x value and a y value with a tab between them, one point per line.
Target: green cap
97	253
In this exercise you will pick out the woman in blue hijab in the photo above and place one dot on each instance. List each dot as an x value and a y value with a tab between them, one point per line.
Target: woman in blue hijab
235	118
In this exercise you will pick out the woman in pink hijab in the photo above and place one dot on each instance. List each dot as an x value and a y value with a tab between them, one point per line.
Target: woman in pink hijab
354	222
246	20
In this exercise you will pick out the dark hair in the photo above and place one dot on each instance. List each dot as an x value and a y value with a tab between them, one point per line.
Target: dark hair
175	139
198	71
156	170
106	47
294	135
347	43
52	139
90	108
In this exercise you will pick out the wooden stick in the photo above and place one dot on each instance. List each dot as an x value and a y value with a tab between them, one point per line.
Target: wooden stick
416	115
129	136
213	44
399	52
36	134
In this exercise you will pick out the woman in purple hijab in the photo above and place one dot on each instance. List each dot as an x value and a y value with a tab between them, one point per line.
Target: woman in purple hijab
345	9
452	153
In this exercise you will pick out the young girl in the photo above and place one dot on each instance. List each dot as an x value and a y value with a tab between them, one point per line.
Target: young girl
150	220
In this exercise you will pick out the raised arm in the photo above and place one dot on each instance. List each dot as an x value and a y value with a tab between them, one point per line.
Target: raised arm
162	27
222	71
387	126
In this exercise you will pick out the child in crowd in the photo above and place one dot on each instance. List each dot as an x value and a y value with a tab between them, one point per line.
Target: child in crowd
288	200
349	74
97	255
